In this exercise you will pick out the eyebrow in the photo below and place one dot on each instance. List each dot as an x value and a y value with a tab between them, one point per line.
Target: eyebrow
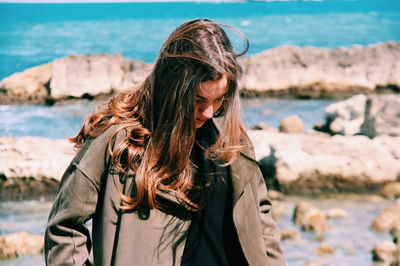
201	97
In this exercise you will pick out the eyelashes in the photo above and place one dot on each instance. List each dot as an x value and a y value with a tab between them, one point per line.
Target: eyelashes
204	100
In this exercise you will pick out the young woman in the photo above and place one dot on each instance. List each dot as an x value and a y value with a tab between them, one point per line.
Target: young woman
166	171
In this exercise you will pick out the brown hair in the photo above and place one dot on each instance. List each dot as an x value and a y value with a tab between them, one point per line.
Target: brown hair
159	114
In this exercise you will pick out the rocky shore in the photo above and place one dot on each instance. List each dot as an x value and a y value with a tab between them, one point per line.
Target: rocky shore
354	151
315	167
292	161
292	71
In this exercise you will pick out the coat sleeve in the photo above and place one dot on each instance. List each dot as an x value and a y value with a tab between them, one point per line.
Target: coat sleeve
67	240
270	231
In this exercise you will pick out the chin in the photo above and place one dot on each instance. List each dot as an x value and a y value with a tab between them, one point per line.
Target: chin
199	124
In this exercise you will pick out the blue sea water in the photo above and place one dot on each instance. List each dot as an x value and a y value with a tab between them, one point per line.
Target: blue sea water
61	121
32	34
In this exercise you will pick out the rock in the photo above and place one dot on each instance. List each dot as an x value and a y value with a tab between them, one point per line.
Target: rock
387	220
386	252
376	198
382	116
290	234
292	163
395	233
96	74
84	76
391	144
324	249
30	85
259	139
135	71
309	218
304	163
277	210
263	126
311	72
275	195
391	190
260	126
346	117
314	263
336	213
19	244
267	111
307	72
321	128
370	115
291	124
313	132
31	167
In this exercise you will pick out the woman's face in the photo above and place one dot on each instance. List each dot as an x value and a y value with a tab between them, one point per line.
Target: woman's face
209	98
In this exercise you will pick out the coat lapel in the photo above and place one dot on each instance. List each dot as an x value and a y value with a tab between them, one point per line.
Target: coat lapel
242	168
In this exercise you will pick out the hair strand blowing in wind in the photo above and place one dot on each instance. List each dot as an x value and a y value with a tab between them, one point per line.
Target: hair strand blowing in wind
158	115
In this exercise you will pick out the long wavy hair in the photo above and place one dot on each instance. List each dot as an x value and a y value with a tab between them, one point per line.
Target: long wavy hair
159	114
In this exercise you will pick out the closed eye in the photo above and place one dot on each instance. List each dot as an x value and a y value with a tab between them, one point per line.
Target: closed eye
200	100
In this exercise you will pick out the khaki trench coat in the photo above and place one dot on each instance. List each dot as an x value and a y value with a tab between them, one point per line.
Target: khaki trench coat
89	190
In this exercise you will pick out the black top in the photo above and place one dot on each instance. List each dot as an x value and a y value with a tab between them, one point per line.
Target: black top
212	238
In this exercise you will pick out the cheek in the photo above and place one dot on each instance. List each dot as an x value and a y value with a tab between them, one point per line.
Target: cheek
218	104
197	110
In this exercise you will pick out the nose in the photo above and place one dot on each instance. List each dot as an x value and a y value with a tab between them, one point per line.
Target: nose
208	112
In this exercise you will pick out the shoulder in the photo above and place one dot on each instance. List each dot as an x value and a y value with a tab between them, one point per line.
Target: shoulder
101	142
93	157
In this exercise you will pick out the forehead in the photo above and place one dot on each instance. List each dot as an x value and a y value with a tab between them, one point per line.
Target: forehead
214	88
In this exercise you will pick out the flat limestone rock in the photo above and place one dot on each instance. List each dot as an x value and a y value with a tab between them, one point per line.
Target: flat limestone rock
311	72
296	163
20	243
30	85
74	76
304	163
31	167
71	77
307	72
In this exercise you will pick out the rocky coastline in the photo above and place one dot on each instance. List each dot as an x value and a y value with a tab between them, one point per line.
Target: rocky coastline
292	161
288	71
354	152
311	163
